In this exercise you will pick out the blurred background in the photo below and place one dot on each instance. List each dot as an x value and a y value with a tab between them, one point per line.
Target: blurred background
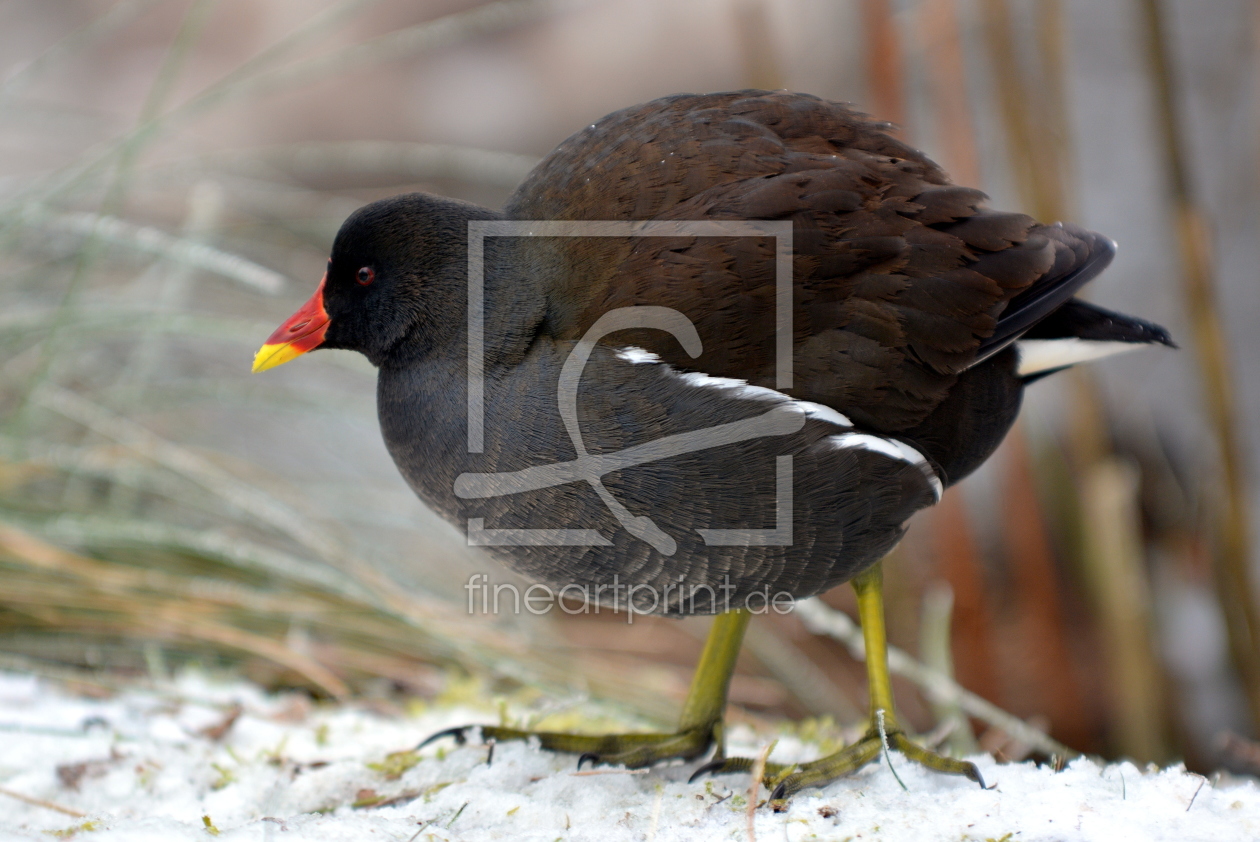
172	175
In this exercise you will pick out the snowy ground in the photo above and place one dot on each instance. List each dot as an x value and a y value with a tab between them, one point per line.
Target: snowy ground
177	766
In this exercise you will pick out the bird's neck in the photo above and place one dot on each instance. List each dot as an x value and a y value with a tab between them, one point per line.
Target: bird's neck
498	310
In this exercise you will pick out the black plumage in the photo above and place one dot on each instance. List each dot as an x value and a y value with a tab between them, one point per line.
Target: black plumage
633	420
907	295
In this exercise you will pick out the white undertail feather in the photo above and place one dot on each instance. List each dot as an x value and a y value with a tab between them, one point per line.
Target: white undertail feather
1040	355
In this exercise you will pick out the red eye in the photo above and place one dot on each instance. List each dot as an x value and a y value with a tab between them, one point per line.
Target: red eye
366	275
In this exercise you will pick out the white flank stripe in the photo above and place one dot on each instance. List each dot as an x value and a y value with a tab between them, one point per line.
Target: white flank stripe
637	356
893	449
824	413
1037	355
741	388
865	441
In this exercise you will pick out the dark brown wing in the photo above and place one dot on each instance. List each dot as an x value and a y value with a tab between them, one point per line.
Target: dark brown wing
899	275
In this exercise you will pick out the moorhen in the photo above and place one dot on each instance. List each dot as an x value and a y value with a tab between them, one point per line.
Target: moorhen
711	356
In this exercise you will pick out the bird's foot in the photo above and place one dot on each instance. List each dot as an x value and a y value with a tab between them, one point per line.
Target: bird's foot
634	751
784	781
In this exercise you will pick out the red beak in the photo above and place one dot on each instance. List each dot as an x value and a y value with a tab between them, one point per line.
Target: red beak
303	331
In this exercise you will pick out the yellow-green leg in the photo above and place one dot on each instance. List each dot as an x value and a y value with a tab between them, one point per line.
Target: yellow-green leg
883	730
699	727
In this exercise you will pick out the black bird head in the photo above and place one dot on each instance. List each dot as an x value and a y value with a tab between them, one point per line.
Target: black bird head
397	269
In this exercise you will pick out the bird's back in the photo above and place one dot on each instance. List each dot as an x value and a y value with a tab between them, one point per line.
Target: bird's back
899	276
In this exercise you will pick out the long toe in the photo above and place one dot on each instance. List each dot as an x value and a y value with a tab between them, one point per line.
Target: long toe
630	750
737	765
686	745
936	762
460	733
824	770
827	769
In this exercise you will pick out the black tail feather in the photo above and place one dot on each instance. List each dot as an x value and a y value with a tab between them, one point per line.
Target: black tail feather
1083	320
1080	256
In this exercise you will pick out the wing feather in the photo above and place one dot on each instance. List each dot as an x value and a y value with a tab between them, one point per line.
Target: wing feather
901	280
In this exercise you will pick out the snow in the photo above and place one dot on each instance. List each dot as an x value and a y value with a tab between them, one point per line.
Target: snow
150	764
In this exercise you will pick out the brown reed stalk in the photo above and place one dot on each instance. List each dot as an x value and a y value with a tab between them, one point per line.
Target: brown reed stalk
1050	24
885	79
1232	553
1113	555
762	68
947	87
1034	166
958	562
1041	624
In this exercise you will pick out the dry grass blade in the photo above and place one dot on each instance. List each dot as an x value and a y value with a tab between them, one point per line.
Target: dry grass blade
358	578
195	591
40	802
246	499
402	161
167	594
120	15
450	29
119	533
754	789
109	598
1052	120
1033	113
252	80
148	240
123	164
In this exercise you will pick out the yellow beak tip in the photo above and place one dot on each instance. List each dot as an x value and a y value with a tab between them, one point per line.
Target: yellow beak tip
270	356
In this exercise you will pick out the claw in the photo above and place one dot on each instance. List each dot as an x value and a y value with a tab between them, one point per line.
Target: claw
780	792
704	770
591	756
727	766
457	732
